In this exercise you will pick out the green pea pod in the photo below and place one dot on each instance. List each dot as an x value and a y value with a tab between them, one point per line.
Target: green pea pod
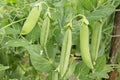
55	75
65	53
95	40
44	31
31	19
71	69
84	44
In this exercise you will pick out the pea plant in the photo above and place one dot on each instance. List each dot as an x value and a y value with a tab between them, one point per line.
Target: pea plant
56	39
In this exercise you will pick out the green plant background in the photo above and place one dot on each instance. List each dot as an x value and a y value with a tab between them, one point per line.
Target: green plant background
22	57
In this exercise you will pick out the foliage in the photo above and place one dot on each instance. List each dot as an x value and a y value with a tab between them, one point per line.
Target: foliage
50	51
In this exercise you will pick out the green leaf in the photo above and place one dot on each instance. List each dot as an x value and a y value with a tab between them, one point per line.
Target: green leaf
100	63
108	68
101	12
82	71
94	2
60	3
39	62
101	49
87	4
52	49
118	78
17	43
11	1
101	69
118	58
58	35
100	75
2	68
2	35
34	34
103	73
12	31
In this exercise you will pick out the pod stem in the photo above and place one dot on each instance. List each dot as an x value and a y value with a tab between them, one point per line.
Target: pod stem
45	50
13	23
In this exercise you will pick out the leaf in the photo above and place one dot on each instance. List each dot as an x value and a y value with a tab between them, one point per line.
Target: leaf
107	68
39	62
17	43
81	71
2	68
2	34
101	69
52	49
101	49
102	11
117	3
12	31
118	78
103	73
100	63
100	75
58	35
11	1
60	3
94	2
87	5
34	34
118	58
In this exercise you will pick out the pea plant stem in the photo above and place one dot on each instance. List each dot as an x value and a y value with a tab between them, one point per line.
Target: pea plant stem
46	52
12	23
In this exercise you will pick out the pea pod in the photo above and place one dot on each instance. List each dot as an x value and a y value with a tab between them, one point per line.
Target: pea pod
65	53
71	68
44	31
84	43
54	75
31	19
95	40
